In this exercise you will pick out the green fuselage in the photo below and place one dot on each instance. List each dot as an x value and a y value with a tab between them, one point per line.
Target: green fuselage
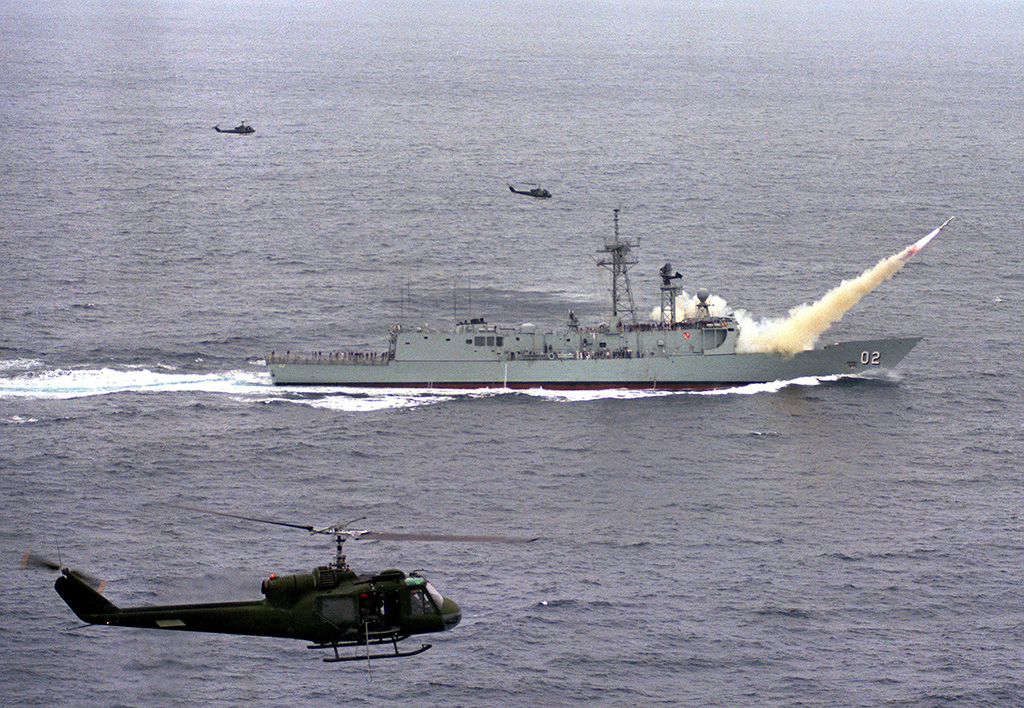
324	607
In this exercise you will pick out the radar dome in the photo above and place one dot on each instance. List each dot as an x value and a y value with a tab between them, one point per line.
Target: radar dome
703	294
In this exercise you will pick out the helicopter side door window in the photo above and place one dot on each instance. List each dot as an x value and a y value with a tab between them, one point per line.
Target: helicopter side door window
420	603
339	611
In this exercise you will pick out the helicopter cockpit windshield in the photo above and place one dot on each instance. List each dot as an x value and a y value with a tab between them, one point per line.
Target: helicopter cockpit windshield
435	596
423	598
419	603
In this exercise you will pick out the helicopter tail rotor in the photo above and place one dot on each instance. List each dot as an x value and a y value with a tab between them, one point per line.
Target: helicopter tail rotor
34	561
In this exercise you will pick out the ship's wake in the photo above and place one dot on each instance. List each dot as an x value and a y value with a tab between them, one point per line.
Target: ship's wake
34	381
26	379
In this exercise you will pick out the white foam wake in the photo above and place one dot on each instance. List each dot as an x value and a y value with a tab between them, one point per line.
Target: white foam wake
77	383
256	386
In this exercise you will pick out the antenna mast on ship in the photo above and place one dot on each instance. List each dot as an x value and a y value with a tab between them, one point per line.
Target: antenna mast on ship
620	263
669	293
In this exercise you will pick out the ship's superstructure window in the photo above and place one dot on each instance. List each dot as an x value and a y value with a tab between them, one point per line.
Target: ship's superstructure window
479	341
469	341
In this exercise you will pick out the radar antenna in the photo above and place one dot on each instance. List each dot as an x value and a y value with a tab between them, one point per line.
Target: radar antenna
669	293
620	262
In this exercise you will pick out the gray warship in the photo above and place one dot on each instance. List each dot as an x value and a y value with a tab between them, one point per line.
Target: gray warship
672	352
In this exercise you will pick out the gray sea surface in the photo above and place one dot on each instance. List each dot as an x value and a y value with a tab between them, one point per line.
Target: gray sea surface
851	542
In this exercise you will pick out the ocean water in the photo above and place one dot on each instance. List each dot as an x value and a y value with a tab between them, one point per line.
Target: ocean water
849	542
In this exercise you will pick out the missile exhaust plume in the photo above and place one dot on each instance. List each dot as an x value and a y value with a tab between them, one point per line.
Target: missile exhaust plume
911	250
799	330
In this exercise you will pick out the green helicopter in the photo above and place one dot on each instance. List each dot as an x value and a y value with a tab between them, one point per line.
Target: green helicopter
330	607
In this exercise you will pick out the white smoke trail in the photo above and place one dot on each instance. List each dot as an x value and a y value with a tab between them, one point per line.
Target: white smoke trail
805	323
801	328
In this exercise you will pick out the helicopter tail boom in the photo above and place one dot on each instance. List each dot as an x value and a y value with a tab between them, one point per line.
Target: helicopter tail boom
247	617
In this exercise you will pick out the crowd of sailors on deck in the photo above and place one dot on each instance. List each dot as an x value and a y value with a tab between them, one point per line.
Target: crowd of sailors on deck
577	354
658	326
683	324
329	358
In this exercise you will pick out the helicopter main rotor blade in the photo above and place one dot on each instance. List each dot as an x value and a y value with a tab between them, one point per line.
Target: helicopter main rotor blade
391	536
340	530
244	518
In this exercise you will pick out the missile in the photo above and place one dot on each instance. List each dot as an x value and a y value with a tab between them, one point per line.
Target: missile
912	249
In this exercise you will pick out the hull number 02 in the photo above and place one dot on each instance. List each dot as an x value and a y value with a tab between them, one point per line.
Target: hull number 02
872	358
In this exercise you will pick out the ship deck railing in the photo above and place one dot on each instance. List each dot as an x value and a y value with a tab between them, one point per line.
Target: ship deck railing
331	358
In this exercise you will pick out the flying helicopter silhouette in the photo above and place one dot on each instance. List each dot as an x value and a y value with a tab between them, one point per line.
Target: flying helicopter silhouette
332	606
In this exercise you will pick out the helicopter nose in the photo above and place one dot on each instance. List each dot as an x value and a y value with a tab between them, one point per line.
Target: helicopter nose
451	613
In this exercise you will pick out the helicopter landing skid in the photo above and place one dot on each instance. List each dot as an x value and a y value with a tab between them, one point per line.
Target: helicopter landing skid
380	638
394	655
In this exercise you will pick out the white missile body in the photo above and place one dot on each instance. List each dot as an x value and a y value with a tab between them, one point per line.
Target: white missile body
911	250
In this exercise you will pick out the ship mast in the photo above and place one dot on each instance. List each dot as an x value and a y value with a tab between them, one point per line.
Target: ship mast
669	293
620	262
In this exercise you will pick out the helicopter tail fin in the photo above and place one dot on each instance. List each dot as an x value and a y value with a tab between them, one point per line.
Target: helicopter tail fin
83	600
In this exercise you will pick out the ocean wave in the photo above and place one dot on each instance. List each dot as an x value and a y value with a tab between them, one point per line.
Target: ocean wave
14	365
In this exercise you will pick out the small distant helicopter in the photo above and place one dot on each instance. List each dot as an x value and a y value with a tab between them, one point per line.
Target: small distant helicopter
331	607
530	190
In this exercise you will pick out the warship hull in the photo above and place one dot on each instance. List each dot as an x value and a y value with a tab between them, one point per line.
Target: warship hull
692	344
568	370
